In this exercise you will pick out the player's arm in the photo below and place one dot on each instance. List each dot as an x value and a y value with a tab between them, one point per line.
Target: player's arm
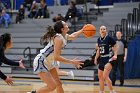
3	76
6	60
10	62
74	35
57	51
115	49
97	56
115	46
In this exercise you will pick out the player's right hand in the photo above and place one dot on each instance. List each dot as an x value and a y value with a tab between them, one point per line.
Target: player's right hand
9	80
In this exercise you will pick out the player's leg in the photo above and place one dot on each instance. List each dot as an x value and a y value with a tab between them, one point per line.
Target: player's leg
65	73
43	71
47	78
62	72
100	75
101	80
55	76
106	73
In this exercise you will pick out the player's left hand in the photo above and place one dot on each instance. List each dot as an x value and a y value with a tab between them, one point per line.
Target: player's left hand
9	80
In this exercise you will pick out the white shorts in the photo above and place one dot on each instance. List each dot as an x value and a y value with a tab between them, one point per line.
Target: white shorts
42	64
56	64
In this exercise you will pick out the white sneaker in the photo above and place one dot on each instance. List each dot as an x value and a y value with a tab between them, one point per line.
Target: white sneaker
42	16
71	74
113	91
38	17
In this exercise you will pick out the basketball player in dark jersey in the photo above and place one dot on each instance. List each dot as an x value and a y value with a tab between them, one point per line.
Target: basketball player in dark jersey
7	43
90	61
105	45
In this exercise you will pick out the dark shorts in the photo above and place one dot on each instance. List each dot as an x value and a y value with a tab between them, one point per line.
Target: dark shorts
103	62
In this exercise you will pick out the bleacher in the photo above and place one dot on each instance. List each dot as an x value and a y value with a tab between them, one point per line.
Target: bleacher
28	33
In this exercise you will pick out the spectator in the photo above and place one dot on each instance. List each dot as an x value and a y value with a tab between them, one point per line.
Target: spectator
121	58
1	6
71	13
21	14
42	11
58	18
27	4
57	2
33	10
5	19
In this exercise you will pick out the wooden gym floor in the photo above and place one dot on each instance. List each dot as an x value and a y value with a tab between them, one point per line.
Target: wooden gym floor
24	85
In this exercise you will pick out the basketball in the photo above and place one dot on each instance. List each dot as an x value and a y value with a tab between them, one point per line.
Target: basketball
89	30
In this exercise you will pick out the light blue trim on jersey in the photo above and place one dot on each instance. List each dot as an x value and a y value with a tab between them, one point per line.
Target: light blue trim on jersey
50	50
44	65
38	64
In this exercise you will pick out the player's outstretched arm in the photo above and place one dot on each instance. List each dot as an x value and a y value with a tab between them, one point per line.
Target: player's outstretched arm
74	35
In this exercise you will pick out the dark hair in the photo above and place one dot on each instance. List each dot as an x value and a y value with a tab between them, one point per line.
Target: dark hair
57	27
4	38
73	3
47	36
51	32
58	18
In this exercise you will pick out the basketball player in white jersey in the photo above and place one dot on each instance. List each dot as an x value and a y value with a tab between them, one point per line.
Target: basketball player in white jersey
43	63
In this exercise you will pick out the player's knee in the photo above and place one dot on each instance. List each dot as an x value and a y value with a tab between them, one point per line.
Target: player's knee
107	79
51	87
108	68
100	76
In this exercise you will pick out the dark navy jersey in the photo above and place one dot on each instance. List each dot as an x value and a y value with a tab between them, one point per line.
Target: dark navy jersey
105	45
3	58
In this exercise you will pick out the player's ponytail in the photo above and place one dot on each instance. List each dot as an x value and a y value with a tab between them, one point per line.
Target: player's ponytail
47	36
51	32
